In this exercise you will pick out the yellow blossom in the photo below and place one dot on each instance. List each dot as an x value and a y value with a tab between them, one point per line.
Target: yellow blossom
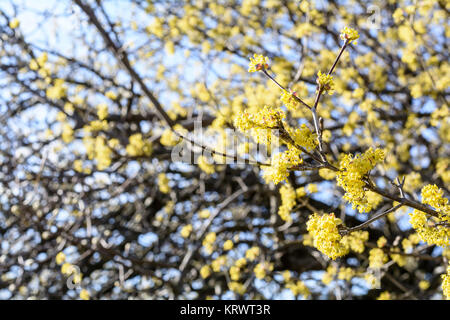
204	214
102	111
228	245
205	272
186	230
377	258
252	253
289	100
60	258
351	173
385	295
258	62
349	34
138	146
205	165
14	23
298	288
288	197
325	233
433	230
325	82
163	183
84	294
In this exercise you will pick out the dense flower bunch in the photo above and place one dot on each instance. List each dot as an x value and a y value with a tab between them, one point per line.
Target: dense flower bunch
433	230
352	171
325	233
349	34
355	241
281	163
433	196
102	111
298	288
377	258
205	272
138	146
208	242
289	100
186	231
258	62
261	269
288	196
304	137
169	138
206	165
267	118
163	183
325	236
325	82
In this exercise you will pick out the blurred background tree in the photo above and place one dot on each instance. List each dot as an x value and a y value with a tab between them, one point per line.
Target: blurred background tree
95	95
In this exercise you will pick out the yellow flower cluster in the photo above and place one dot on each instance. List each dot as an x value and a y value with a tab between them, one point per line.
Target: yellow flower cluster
57	91
208	242
446	283
186	230
102	153
280	164
40	65
346	274
424	285
60	258
398	258
261	270
325	81
96	125
267	118
298	288
205	165
163	183
289	100
384	296
351	173
433	230
355	241
288	196
111	95
205	272
236	287
70	270
325	233
228	245
218	263
304	137
258	62
433	196
169	138
252	253
102	111
349	34
235	272
138	147
381	242
377	258
204	214
14	23
84	294
67	132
